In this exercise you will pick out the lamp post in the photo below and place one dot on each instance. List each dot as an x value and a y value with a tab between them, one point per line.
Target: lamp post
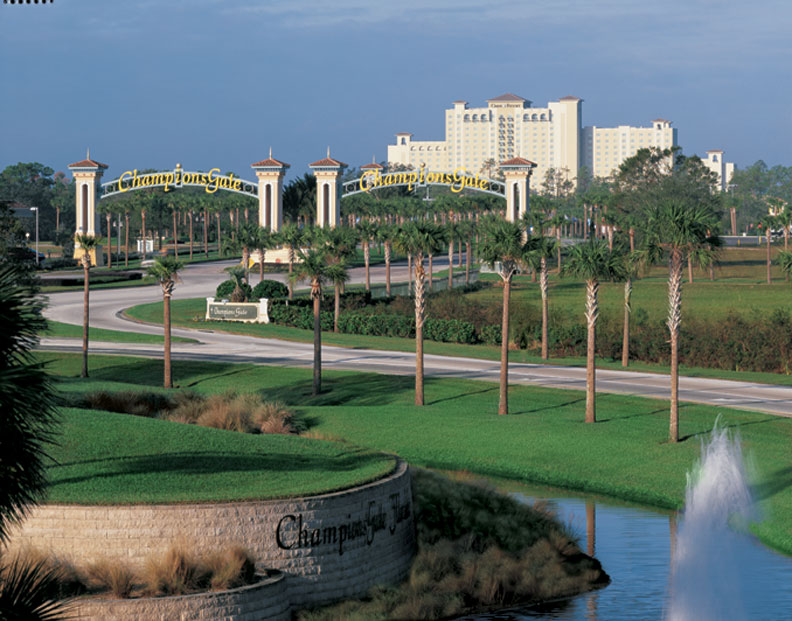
36	209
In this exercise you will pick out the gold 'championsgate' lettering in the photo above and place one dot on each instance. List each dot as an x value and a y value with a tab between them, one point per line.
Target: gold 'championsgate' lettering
458	180
212	181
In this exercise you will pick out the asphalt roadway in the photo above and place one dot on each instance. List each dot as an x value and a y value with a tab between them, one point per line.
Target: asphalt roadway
200	280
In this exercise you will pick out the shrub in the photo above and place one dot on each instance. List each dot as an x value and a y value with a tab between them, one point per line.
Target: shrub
230	412
269	289
187	407
147	404
275	417
226	288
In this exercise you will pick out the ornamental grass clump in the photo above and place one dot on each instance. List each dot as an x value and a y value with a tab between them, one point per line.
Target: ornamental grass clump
111	576
478	550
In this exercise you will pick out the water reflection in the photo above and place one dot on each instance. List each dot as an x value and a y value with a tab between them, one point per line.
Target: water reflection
635	546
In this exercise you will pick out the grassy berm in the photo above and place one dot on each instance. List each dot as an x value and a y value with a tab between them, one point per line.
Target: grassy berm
477	550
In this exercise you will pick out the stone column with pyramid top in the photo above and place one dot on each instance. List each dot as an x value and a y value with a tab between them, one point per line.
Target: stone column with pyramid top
86	182
328	191
270	173
517	172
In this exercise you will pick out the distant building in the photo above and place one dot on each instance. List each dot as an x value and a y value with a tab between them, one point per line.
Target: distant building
552	137
720	167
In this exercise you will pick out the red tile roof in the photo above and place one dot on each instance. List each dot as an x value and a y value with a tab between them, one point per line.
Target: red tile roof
372	165
570	98
661	121
271	163
87	164
507	97
518	161
328	161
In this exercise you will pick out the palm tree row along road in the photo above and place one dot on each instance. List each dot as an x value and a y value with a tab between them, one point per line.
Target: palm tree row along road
200	280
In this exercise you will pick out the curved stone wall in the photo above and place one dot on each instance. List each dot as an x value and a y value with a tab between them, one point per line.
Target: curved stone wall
331	546
266	600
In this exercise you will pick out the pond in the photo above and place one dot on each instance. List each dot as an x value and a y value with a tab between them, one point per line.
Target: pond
635	546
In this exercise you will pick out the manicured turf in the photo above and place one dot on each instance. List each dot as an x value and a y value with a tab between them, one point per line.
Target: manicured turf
543	440
67	330
189	313
107	458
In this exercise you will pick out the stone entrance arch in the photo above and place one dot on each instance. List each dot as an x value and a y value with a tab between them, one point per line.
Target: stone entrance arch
328	191
87	174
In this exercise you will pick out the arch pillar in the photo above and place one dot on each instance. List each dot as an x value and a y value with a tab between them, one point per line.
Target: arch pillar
328	191
517	172
270	174
86	174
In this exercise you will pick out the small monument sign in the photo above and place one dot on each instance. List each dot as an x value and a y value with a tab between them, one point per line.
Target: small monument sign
249	312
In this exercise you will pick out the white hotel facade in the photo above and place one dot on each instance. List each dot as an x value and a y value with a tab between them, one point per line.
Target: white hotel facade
551	137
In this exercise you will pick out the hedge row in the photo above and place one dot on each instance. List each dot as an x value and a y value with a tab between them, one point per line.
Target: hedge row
443	330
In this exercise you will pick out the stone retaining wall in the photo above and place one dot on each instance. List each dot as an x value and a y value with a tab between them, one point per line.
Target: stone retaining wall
266	600
331	546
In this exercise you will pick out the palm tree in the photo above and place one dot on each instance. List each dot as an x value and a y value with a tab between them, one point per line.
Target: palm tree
453	233
385	235
784	259
313	266
539	249
679	214
502	243
166	271
592	261
264	240
768	223
340	243
237	274
465	231
367	232
417	239
291	236
88	244
29	413
247	239
555	222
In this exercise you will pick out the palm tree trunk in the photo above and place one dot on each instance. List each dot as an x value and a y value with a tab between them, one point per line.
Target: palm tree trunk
674	321
459	253
585	222
166	320
262	254
632	239
246	263
419	321
431	272
143	227
336	305
109	241
191	234
366	258
291	269
543	290
387	268
450	265
592	311
690	267
503	401
126	239
733	220
558	248
468	252
85	320
175	235
409	273
317	361
218	232
626	333
767	236
206	232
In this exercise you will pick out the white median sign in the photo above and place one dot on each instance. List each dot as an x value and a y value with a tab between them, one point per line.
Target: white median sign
248	312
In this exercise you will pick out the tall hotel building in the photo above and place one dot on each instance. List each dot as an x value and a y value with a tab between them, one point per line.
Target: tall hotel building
508	127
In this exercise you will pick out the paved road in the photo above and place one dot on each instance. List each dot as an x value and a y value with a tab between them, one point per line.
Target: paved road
201	280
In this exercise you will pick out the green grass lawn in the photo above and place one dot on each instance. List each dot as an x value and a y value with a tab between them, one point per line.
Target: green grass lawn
107	458
543	440
189	313
67	330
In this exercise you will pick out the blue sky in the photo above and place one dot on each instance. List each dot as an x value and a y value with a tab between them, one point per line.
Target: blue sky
149	83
